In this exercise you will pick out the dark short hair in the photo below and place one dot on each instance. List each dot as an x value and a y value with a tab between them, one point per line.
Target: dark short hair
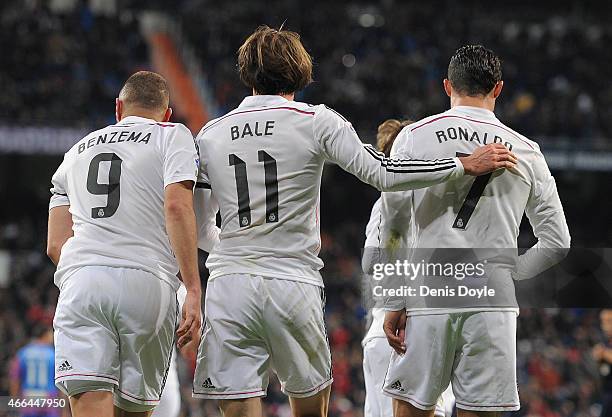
274	61
474	70
147	90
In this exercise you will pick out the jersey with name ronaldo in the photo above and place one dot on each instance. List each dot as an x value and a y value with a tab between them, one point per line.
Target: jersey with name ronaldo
263	162
482	212
113	180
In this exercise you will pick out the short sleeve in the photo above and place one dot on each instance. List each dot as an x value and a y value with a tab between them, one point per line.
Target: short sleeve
181	160
59	193
203	179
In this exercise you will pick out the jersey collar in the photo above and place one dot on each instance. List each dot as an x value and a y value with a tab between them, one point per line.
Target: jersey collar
135	119
478	112
262	100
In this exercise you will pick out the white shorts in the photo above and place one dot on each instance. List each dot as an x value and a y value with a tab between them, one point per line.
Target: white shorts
114	330
376	356
475	350
170	402
253	324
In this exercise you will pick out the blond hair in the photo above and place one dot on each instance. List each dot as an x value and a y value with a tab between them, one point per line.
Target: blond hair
387	132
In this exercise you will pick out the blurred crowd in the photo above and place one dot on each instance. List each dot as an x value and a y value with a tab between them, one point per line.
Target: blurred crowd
64	59
387	58
64	66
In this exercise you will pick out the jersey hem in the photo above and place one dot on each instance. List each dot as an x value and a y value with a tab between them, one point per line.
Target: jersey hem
58	203
270	274
179	178
67	272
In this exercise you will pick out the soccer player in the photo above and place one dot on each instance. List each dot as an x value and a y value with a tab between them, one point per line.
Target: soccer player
263	162
32	373
376	350
473	347
121	226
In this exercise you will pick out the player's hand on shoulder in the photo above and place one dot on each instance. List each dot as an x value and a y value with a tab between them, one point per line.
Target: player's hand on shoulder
488	158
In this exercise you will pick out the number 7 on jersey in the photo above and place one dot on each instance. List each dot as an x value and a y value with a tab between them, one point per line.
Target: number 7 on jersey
471	199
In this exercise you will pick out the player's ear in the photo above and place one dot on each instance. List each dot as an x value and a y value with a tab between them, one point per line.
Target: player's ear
447	87
498	89
167	115
118	109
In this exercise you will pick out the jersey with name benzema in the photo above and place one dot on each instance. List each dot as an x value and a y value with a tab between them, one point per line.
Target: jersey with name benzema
114	180
263	162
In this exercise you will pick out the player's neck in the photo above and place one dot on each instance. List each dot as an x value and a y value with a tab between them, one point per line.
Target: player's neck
143	113
289	97
483	103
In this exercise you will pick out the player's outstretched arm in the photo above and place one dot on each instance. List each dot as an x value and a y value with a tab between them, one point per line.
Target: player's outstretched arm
340	144
59	231
181	229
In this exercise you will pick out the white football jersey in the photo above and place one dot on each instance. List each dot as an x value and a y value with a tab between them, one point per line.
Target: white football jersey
263	162
372	231
113	180
481	212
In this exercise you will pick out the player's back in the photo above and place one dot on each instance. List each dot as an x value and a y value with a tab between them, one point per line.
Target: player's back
265	169
481	212
35	363
114	179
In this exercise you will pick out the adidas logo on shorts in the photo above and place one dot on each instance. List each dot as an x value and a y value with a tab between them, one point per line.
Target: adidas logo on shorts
397	386
65	366
208	384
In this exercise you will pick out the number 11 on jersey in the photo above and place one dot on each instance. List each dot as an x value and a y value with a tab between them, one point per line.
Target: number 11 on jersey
242	188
